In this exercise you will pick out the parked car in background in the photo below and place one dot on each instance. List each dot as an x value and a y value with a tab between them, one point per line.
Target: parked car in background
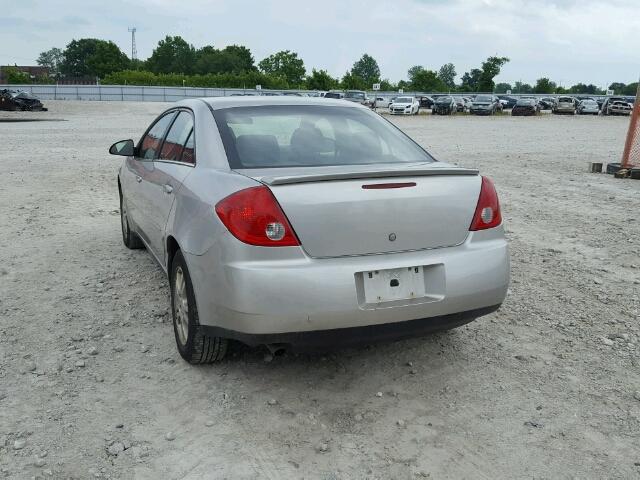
525	106
607	105
404	106
19	100
444	105
316	94
485	105
358	96
588	107
425	101
306	222
461	104
334	94
507	101
565	105
547	103
619	107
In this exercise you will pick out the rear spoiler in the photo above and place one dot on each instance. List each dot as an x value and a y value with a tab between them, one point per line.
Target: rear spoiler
395	172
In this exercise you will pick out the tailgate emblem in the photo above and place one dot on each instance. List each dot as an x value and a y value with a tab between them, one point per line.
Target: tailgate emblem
392	237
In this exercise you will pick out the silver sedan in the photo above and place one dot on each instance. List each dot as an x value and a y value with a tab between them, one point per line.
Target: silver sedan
307	223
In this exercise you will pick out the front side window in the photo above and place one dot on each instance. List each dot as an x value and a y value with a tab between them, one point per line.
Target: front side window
311	136
176	137
152	141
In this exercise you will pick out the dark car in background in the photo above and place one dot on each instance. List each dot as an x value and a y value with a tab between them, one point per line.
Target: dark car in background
547	103
335	95
525	107
508	101
485	105
444	105
425	101
358	96
13	100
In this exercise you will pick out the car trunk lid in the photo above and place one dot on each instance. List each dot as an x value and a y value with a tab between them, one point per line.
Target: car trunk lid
362	210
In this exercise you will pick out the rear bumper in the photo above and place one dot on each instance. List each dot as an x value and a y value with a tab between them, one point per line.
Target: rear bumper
263	290
344	337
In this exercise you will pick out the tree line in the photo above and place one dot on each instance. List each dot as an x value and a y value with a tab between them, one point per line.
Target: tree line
175	62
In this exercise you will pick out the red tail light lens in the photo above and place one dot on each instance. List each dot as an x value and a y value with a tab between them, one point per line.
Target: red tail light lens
254	216
488	209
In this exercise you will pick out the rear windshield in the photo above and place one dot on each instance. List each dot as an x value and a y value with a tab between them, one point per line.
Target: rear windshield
565	99
311	136
332	95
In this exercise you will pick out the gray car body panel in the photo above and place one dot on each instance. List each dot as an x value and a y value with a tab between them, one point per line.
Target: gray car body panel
264	290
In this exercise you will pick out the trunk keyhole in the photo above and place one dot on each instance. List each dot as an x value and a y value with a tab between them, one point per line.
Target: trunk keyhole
395	282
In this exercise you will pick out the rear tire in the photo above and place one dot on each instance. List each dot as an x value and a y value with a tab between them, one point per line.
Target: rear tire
130	239
193	344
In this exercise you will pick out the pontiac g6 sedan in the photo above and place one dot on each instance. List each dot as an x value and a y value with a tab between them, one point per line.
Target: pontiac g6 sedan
307	223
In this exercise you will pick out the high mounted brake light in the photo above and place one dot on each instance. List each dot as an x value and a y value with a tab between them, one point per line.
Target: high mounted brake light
254	216
487	214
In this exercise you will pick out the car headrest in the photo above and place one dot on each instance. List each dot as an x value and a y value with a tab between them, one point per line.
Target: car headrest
257	150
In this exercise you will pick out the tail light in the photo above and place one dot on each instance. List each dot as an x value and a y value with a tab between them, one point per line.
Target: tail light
487	213
254	216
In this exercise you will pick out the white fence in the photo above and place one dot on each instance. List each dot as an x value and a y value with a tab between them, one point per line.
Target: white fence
166	94
124	92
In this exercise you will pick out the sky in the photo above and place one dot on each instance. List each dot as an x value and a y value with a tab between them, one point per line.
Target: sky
568	41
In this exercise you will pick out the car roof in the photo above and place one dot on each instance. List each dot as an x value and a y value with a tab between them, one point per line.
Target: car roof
232	102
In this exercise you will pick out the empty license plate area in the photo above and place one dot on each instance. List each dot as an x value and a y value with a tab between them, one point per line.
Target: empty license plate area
400	286
395	284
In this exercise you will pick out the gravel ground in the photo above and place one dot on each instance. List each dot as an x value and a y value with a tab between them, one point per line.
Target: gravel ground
91	384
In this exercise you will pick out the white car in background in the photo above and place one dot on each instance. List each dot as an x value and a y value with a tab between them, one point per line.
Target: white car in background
404	106
382	102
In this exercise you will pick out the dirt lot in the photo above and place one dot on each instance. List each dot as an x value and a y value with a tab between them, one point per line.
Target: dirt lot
91	384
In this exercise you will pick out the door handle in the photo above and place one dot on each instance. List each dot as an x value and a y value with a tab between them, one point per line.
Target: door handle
167	188
138	178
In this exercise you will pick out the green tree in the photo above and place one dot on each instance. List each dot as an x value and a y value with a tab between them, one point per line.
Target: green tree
387	86
367	69
427	81
520	87
413	71
172	55
502	87
631	89
353	82
590	89
471	80
544	85
617	87
490	69
92	57
15	76
52	59
321	80
285	64
447	75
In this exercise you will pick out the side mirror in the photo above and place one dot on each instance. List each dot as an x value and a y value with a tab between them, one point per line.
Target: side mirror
125	148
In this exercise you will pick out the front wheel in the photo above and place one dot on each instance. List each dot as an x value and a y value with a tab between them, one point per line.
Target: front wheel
193	344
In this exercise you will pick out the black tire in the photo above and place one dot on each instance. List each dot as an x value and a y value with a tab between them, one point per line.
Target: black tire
130	238
417	111
613	168
198	347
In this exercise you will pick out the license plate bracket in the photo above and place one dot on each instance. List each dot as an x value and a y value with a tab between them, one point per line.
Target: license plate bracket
393	284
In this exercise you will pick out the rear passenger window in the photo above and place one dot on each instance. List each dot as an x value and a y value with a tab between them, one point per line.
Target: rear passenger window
151	142
188	154
177	137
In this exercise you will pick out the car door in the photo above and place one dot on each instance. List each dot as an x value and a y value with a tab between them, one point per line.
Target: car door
139	170
170	167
